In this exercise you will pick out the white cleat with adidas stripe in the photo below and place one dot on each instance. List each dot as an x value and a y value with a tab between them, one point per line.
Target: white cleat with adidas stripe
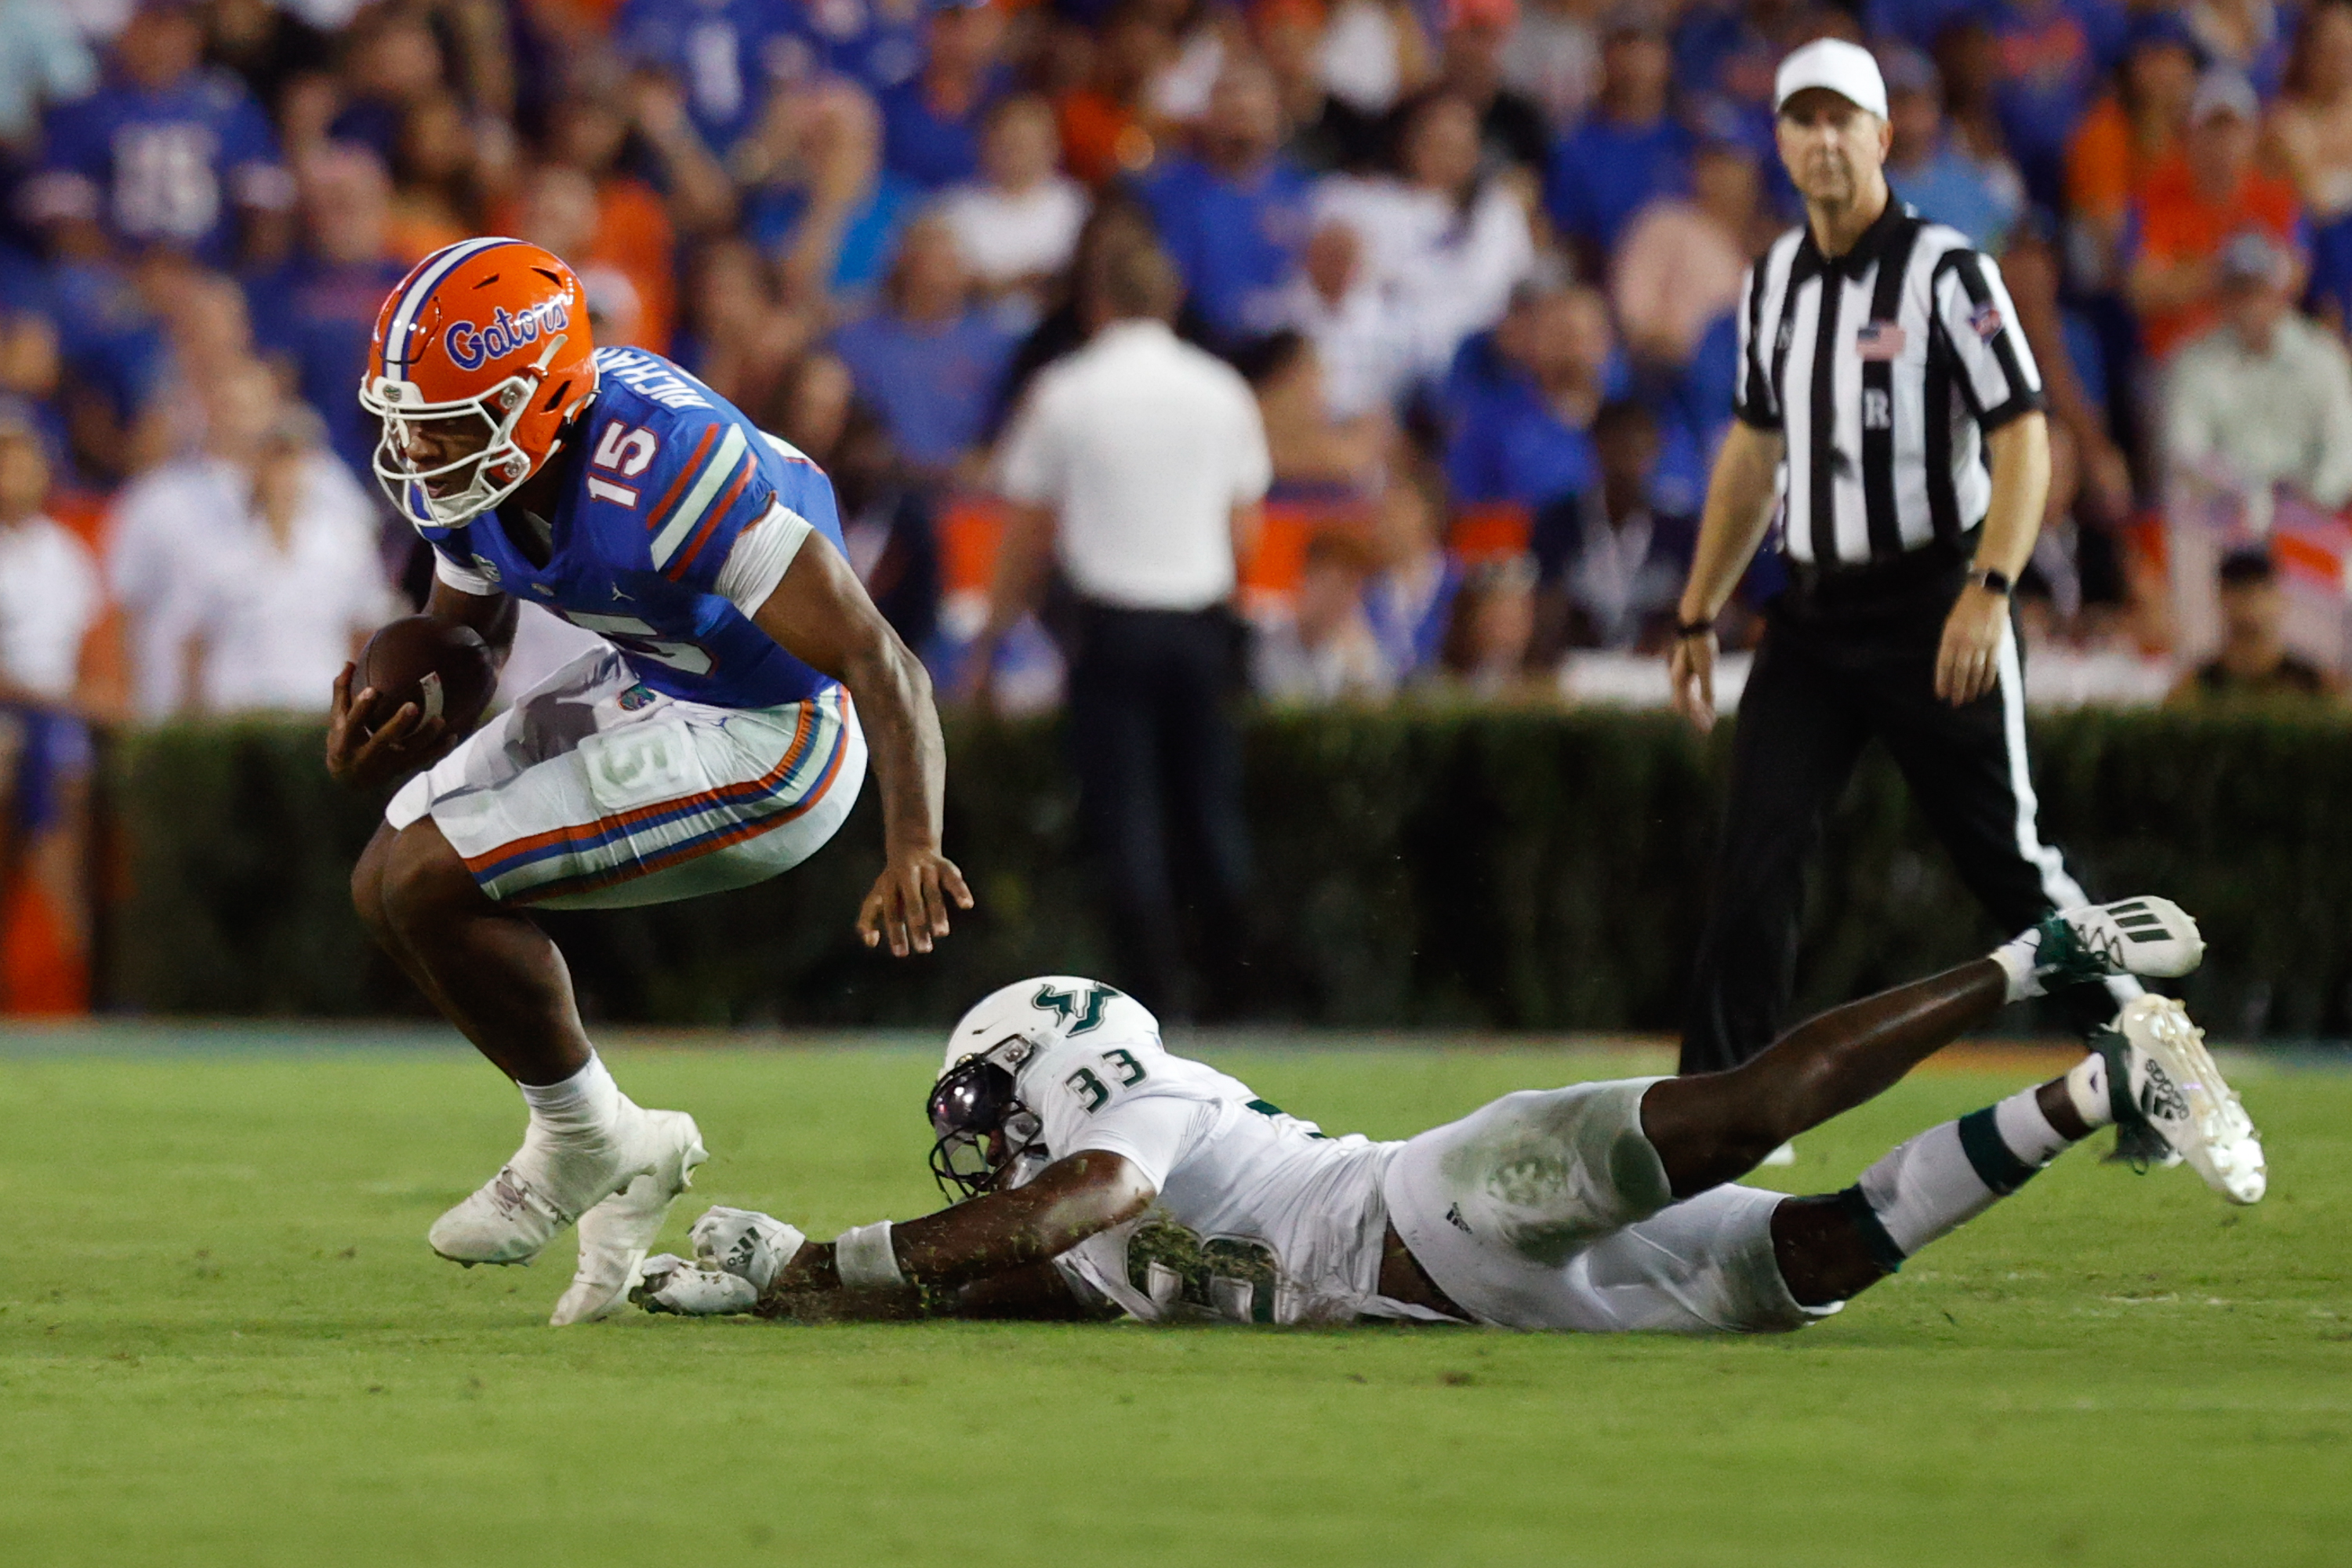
2160	1077
2146	936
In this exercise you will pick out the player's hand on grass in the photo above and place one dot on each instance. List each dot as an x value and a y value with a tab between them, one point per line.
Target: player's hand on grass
1968	658
909	905
363	758
1690	669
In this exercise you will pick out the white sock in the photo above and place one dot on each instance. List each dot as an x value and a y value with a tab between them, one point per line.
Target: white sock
2018	958
1937	1182
586	1103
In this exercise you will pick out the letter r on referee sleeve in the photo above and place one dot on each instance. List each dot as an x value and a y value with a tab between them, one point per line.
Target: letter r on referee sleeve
1978	320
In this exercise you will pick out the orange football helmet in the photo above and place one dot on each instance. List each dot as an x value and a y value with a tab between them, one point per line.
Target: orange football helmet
488	331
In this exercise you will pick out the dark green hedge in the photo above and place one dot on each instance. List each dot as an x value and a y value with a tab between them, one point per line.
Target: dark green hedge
1478	867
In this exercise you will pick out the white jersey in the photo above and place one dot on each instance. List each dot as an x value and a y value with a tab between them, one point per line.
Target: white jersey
1260	1218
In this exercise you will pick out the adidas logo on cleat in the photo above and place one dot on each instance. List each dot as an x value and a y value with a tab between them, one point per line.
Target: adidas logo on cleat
2160	1099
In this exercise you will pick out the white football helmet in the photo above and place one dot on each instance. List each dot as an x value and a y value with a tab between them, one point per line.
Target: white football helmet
986	1135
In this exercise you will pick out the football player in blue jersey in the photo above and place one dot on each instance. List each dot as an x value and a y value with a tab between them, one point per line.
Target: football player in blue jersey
718	737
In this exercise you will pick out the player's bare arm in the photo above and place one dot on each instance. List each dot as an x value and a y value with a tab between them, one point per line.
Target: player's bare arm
367	749
989	1255
820	614
1739	511
1967	661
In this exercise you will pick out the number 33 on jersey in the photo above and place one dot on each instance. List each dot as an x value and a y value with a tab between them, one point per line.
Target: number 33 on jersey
656	531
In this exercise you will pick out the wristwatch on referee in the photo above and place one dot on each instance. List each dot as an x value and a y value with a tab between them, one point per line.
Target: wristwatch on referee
1992	582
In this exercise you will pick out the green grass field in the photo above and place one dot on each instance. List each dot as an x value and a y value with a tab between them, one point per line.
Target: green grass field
222	1339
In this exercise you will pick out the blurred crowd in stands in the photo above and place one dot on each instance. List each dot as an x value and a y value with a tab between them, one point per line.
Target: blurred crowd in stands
1477	259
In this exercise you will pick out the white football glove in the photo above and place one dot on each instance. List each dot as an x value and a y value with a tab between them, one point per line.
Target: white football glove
746	1243
671	1284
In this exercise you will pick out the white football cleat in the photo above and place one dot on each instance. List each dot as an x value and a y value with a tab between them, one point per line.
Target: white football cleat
671	1284
746	1242
551	1181
2160	1076
2147	936
614	1235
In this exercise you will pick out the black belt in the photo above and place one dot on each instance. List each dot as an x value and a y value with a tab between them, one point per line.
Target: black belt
1933	564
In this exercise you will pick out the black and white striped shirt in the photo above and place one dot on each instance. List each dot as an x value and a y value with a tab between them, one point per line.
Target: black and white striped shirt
1883	397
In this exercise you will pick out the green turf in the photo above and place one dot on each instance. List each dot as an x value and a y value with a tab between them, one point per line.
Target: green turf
222	1339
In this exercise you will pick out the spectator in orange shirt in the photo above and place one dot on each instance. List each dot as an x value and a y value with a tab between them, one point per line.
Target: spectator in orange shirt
2129	131
1106	129
2192	205
632	233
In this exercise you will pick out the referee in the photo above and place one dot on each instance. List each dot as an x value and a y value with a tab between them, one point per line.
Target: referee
1890	414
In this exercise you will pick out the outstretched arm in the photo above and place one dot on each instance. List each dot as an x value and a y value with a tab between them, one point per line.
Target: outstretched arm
975	1257
821	616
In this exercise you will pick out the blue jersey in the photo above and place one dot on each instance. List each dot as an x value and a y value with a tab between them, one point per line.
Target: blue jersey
725	54
162	166
1236	242
665	477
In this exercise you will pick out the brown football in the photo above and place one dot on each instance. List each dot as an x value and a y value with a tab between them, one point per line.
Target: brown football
442	667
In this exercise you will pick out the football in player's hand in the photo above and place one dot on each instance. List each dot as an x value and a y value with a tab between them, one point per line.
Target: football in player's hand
444	667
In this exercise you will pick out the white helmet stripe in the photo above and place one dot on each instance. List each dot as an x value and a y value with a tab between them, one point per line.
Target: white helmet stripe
396	337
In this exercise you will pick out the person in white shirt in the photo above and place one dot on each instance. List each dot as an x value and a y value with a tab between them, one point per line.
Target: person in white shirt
1447	243
170	520
294	592
2265	398
1092	1173
52	604
1322	649
1362	339
1136	466
1018	225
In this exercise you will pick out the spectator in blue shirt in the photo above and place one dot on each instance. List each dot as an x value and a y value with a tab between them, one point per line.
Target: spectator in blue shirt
876	44
927	360
166	153
1630	150
2055	57
315	315
1521	401
1981	197
932	122
1234	218
729	56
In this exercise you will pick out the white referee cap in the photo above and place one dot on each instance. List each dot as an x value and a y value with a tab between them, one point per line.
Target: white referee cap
1846	70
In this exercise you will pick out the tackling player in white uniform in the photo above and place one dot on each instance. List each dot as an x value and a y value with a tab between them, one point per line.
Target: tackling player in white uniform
1106	1175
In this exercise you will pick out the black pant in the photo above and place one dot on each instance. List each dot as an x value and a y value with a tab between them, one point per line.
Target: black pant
1848	656
1158	764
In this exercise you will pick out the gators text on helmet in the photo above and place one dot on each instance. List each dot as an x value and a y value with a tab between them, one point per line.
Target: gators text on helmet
489	333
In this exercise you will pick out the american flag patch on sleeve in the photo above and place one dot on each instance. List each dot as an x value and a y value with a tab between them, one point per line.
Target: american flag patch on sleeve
1986	323
1877	341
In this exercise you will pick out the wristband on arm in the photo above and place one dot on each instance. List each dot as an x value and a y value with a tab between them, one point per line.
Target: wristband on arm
865	1259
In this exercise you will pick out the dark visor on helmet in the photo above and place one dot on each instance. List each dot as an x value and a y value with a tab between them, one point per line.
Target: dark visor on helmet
969	1108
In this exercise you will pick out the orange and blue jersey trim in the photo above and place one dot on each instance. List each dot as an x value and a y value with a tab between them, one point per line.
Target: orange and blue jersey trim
620	847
